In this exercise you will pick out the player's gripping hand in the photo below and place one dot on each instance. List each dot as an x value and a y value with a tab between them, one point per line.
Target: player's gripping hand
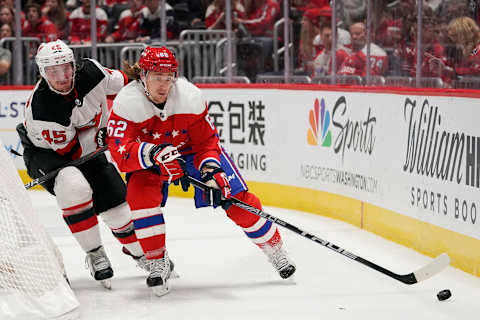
219	191
167	158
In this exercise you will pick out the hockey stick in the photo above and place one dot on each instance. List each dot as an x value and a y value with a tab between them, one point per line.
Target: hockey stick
75	162
427	271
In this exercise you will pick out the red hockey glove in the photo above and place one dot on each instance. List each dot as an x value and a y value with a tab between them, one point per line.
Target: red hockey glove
219	191
166	157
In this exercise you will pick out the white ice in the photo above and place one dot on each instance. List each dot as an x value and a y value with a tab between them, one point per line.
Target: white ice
224	276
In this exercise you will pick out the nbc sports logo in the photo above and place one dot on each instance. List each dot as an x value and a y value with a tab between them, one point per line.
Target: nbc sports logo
319	122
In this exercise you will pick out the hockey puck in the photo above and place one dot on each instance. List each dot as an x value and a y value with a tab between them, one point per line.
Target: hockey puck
444	295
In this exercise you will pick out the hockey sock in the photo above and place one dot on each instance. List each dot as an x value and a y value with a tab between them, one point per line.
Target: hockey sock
119	220
150	230
83	224
259	230
126	236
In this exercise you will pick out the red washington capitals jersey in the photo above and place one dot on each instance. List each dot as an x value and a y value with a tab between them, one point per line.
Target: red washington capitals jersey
135	123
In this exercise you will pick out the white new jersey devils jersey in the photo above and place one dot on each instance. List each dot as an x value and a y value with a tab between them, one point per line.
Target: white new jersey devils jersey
68	123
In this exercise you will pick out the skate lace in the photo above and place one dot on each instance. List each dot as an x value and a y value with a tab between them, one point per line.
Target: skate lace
97	259
159	268
279	259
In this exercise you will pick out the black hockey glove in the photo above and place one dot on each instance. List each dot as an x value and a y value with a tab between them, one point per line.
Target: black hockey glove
219	191
184	182
101	138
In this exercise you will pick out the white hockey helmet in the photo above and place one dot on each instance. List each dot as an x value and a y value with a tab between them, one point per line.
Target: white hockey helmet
51	54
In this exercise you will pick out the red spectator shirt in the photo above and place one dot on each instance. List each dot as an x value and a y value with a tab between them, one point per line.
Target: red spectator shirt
471	66
356	63
260	23
45	30
213	13
80	25
324	59
128	25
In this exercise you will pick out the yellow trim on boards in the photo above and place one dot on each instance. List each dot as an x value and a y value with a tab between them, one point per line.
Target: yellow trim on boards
426	238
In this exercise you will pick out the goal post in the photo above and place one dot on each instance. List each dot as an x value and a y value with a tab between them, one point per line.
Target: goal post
32	282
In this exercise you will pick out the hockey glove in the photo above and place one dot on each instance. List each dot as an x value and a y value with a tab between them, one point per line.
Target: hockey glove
219	191
101	138
166	157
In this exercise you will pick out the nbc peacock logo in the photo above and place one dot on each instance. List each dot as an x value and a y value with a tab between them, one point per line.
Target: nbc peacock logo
318	133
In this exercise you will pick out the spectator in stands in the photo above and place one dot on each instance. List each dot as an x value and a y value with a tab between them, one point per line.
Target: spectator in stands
7	15
451	9
150	21
356	63
189	14
5	63
71	5
307	51
55	11
6	31
390	22
5	54
323	61
36	25
431	48
260	17
324	16
256	48
465	34
215	16
129	23
79	24
304	5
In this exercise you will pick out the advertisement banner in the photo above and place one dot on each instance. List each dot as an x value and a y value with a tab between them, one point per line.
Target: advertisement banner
12	105
415	155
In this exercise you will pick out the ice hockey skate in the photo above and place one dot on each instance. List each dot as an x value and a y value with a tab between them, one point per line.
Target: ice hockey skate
280	260
159	276
100	267
143	263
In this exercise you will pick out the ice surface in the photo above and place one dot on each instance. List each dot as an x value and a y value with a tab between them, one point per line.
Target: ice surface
224	276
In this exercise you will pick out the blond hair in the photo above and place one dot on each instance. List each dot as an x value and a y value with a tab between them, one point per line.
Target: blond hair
307	35
465	32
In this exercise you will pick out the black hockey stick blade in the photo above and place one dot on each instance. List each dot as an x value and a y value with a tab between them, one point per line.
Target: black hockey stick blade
73	163
429	270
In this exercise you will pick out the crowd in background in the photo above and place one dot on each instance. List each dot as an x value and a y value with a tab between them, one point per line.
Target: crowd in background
450	43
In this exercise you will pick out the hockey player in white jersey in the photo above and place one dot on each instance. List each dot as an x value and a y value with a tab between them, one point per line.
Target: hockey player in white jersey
62	119
158	123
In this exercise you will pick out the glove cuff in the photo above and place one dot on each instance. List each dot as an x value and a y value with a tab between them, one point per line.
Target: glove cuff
147	154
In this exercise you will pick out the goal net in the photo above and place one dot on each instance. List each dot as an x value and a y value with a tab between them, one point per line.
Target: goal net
32	285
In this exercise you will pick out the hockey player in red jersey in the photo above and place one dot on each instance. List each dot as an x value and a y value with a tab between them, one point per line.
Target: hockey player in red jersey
158	129
62	116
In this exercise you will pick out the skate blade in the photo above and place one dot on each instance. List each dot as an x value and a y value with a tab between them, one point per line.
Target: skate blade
107	283
160	290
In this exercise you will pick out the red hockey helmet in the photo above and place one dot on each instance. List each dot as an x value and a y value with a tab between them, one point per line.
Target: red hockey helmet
158	59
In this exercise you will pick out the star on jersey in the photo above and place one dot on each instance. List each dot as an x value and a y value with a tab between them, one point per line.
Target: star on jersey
121	149
157	135
175	133
144	130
